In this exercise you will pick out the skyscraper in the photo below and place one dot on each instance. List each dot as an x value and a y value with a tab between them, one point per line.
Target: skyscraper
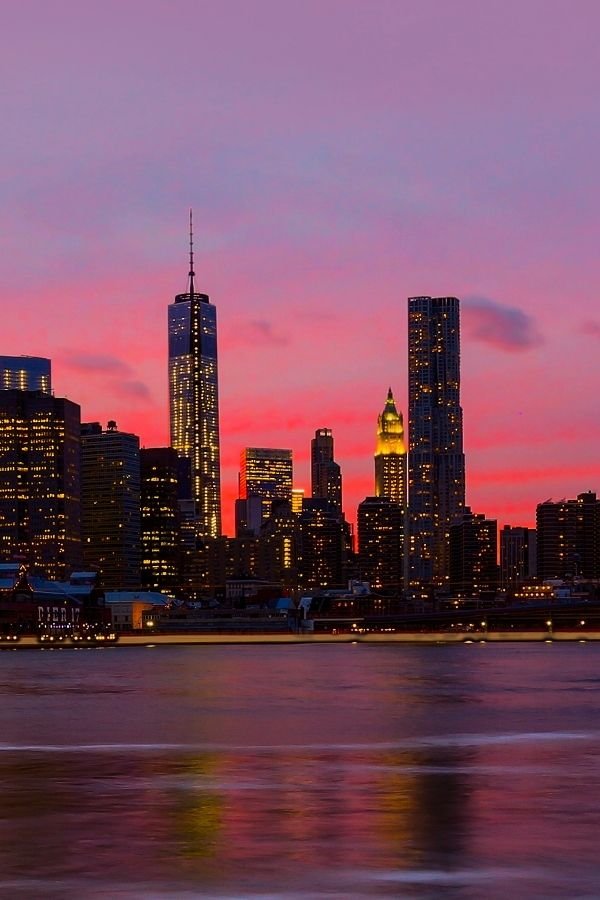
160	530
110	503
25	373
436	463
39	481
326	475
194	398
264	473
390	454
380	543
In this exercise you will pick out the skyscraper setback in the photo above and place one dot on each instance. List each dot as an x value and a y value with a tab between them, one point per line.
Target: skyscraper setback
194	398
436	463
326	475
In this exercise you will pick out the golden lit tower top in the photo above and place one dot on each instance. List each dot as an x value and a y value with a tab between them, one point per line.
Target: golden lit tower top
390	454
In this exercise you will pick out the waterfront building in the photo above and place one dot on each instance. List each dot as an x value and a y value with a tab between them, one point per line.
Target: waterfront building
267	474
518	556
25	373
436	464
326	475
390	454
40	519
160	519
568	537
380	523
110	504
473	554
194	399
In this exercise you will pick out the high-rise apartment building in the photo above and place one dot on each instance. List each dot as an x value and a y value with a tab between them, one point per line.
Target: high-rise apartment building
265	473
194	399
390	454
436	463
160	518
39	481
110	504
518	555
25	373
568	537
380	523
326	475
473	554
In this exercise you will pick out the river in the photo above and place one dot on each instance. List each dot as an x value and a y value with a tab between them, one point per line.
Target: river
334	771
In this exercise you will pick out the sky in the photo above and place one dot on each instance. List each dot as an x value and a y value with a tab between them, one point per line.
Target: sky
339	157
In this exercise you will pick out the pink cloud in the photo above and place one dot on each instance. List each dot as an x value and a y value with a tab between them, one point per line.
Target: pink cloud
503	327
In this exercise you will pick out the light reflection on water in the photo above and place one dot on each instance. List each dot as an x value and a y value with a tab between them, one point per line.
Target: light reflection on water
335	771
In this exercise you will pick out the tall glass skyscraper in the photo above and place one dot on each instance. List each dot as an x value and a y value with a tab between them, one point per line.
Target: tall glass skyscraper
194	399
436	463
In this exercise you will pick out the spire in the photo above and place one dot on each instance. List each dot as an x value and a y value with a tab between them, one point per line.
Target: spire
191	272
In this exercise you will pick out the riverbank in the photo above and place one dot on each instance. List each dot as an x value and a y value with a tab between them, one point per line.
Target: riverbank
438	637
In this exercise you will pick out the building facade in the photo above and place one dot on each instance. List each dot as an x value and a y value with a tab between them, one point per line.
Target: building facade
194	399
518	556
110	504
160	519
40	519
380	523
267	474
568	538
473	554
390	454
25	373
326	475
436	464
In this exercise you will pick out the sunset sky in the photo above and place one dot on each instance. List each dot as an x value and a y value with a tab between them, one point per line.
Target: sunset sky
339	156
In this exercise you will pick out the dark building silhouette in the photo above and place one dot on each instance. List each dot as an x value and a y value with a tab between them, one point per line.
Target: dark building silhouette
267	474
326	475
25	373
436	464
110	504
324	546
380	524
568	537
160	519
518	555
194	399
40	519
473	554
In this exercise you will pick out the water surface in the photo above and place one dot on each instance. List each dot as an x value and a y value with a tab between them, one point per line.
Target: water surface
348	771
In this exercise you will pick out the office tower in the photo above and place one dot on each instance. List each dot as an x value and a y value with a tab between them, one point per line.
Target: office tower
323	547
390	454
436	464
39	482
518	559
194	398
326	475
248	516
160	529
25	373
297	500
473	554
110	504
568	537
267	474
380	523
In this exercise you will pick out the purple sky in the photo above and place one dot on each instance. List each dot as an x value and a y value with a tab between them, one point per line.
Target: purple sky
339	157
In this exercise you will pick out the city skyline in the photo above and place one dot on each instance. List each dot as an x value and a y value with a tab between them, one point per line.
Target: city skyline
408	158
